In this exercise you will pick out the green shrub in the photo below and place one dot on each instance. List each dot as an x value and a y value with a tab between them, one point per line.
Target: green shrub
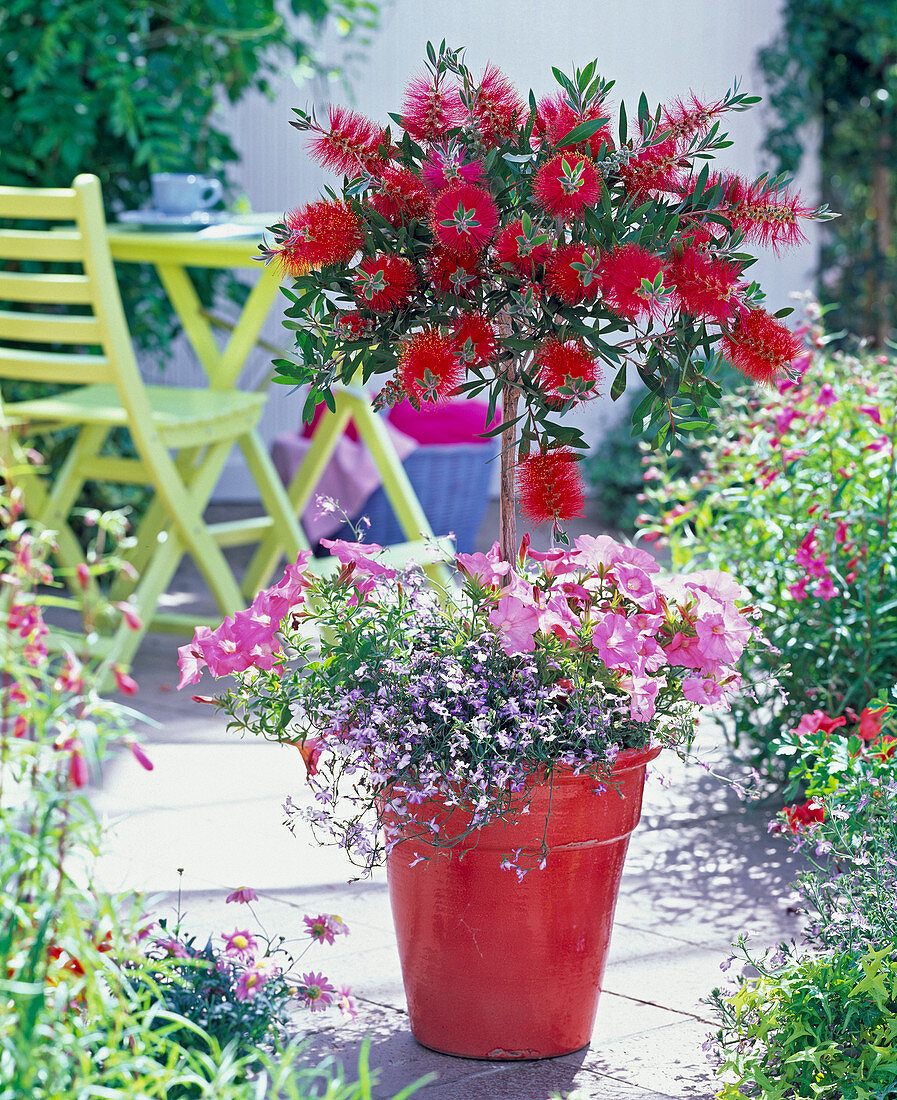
795	498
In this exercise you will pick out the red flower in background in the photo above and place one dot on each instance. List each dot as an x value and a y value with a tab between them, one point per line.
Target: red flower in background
429	369
400	196
429	109
568	365
319	235
555	118
621	272
704	285
450	274
571	274
566	185
870	723
384	282
513	246
350	145
804	815
760	346
550	487
497	108
464	219
474	338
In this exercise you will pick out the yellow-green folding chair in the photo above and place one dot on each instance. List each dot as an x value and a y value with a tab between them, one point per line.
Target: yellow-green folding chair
70	328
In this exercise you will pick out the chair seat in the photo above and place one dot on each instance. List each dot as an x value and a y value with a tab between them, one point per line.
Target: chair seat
172	407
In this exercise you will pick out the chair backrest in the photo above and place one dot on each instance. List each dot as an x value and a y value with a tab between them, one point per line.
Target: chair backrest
61	317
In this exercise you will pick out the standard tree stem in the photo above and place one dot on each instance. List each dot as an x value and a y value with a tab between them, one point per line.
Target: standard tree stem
507	500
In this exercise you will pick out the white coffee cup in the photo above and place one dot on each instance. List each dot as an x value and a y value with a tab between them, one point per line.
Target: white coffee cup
184	192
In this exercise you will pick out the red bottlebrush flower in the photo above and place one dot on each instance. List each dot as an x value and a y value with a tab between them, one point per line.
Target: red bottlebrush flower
384	282
452	274
429	109
464	219
621	272
765	214
474	337
448	164
566	369
654	170
571	274
496	108
566	185
353	325
703	285
555	118
684	119
550	487
513	246
350	145
400	196
429	369
319	235
760	346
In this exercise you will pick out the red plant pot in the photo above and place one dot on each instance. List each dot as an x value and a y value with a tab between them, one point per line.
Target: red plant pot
498	968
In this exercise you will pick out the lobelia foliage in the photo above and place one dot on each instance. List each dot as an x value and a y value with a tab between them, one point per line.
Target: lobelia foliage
795	496
394	693
484	244
821	1018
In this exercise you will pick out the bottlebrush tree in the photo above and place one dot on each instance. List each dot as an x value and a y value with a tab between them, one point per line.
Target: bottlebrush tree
523	250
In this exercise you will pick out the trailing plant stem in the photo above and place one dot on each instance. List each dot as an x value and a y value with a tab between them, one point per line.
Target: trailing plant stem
507	502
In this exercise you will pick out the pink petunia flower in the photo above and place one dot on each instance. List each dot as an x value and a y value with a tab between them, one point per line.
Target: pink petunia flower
516	624
643	694
617	642
703	690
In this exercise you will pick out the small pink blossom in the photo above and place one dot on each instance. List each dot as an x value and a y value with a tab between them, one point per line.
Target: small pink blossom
139	755
240	942
254	979
643	692
827	396
130	615
872	411
617	642
126	684
634	583
243	896
880	444
325	927
841	533
798	589
315	992
487	568
346	1003
825	590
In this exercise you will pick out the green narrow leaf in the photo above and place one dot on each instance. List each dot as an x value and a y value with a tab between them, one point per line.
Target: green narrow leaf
618	388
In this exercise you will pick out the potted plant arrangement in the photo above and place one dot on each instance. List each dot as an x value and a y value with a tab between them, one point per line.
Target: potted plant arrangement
490	742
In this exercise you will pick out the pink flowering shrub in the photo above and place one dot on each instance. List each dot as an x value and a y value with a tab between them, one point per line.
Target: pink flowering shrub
795	496
392	692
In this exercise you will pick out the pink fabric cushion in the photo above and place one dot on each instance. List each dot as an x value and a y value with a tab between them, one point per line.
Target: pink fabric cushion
453	422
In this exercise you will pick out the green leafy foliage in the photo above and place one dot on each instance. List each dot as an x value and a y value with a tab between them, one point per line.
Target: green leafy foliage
832	71
795	498
820	1019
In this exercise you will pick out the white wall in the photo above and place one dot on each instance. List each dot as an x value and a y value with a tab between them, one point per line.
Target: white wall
662	47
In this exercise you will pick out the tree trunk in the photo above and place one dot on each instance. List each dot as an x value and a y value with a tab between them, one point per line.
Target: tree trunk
507	500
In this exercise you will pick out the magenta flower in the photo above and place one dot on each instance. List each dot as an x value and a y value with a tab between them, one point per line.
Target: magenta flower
325	927
240	943
634	583
872	411
827	396
825	590
254	979
643	691
243	896
315	992
798	590
139	755
486	568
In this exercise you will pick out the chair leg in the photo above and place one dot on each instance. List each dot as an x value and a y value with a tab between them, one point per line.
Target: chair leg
286	536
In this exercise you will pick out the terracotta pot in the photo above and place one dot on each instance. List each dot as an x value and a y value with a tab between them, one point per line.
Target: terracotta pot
498	968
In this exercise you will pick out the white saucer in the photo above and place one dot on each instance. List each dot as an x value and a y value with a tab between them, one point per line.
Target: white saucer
157	219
